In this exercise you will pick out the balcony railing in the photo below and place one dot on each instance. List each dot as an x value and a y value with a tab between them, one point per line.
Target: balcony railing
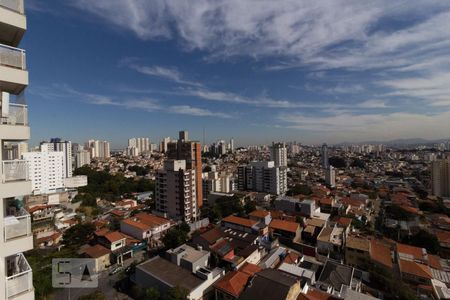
14	170
12	57
18	225
15	5
17	115
20	278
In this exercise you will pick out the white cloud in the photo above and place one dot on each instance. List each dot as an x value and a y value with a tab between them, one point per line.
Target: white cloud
169	73
147	104
364	127
373	104
431	89
329	33
195	111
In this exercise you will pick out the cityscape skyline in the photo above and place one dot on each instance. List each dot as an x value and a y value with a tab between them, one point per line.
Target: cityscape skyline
262	76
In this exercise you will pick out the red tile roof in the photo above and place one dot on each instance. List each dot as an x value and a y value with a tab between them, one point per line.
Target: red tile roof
380	253
415	252
414	268
434	261
344	221
259	213
96	251
250	269
114	236
240	221
284	225
233	283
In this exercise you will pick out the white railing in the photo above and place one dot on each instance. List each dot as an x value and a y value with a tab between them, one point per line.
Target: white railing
22	278
17	115
12	57
18	225
15	5
14	170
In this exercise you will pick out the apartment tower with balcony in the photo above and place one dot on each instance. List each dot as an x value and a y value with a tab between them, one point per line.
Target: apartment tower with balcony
16	279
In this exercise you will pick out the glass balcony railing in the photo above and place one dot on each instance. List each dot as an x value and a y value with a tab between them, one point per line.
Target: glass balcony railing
14	170
12	57
19	276
17	115
17	225
14	5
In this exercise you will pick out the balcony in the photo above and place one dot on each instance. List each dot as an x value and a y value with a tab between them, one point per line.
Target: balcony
14	5
19	278
14	170
17	225
17	115
13	73
13	21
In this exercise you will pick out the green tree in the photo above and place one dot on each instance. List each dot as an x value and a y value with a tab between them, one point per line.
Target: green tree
249	207
177	293
79	234
97	295
174	238
299	189
425	240
152	294
337	162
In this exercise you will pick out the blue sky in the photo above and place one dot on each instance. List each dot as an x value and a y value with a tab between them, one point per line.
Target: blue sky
256	70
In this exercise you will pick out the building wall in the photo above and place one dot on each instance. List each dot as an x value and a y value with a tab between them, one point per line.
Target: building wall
45	170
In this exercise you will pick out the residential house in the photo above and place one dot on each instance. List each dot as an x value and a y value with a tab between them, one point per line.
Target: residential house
274	284
145	226
101	255
357	251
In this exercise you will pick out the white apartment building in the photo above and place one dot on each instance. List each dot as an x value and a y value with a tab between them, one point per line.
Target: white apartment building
16	277
263	176
176	191
82	158
330	176
278	154
141	144
215	182
99	149
45	170
66	148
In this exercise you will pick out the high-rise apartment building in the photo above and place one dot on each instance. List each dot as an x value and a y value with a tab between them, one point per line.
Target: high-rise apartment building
99	149
232	145
57	145
141	144
330	176
191	152
324	158
163	145
45	170
82	158
176	191
440	177
278	154
215	182
262	176
16	277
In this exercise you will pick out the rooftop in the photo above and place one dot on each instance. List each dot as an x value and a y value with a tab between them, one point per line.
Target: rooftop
415	268
336	275
170	273
380	253
240	221
96	251
259	213
358	243
284	225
